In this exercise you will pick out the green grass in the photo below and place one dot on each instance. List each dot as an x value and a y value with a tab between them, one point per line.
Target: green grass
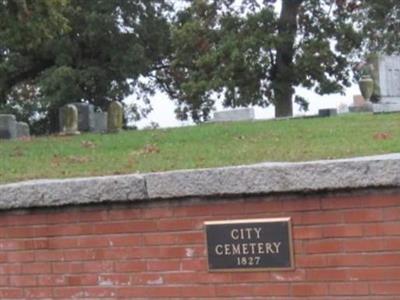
208	145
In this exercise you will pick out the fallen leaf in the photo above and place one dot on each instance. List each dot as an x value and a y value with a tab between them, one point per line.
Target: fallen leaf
383	136
88	144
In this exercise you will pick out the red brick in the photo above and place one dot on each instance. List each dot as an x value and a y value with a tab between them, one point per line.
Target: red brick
79	255
301	205
25	218
391	244
190	238
130	266
157	213
67	216
382	229
13	245
22	280
326	275
346	260
63	243
68	292
36	268
295	275
125	227
324	246
248	277
385	288
160	239
149	292
38	293
197	264
163	265
118	253
83	279
20	256
11	293
4	281
391	214
178	225
343	231
348	289
227	209
125	214
67	267
10	268
193	210
364	245
272	289
262	206
321	217
307	233
310	289
377	273
363	216
133	240
98	292
113	280
305	261
198	291
51	280
46	255
98	267
92	216
20	232
235	290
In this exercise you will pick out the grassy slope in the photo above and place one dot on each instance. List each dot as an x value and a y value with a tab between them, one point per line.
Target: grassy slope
208	145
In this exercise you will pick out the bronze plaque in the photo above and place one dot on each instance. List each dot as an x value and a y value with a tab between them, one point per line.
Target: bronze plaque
250	245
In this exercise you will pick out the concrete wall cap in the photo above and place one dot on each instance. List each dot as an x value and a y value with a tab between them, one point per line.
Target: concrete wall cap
263	178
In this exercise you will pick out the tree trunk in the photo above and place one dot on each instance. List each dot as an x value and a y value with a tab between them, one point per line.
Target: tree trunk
284	77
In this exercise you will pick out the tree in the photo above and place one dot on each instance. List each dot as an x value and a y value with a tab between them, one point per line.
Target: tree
380	24
252	55
104	49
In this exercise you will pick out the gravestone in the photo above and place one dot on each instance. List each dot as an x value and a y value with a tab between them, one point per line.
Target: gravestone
23	130
8	127
241	114
385	71
327	112
100	122
86	116
70	125
115	117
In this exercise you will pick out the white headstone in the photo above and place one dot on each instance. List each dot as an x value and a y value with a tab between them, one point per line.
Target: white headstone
240	114
389	78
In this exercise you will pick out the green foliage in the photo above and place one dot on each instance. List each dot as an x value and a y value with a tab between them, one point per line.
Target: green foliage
207	145
252	55
380	23
103	49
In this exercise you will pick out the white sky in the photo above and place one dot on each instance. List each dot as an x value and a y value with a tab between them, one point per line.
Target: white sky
163	108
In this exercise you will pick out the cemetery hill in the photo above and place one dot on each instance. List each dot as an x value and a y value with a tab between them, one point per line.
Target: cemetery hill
203	146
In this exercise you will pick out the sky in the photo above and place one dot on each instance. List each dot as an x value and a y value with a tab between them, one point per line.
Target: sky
163	108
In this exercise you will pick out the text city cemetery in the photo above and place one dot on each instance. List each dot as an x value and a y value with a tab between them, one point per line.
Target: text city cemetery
249	244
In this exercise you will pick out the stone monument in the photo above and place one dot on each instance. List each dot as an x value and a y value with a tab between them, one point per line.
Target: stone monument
115	117
385	72
240	114
100	122
70	126
86	117
23	130
8	127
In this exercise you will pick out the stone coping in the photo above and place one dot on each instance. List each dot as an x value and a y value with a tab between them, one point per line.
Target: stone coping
264	178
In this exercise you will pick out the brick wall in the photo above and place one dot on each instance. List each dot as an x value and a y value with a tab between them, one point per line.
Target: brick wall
346	247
